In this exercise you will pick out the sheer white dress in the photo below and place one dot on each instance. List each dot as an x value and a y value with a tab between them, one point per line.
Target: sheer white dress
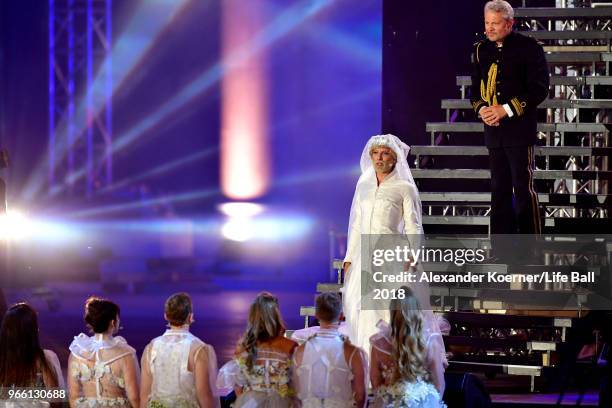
323	377
267	384
96	369
391	208
395	393
167	357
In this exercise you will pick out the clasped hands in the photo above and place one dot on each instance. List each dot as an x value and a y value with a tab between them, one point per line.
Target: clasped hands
491	115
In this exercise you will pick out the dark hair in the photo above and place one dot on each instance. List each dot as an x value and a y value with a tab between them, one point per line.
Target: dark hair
178	307
265	323
21	357
99	313
328	307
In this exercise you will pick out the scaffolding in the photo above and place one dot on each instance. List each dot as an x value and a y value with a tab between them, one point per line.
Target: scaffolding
80	105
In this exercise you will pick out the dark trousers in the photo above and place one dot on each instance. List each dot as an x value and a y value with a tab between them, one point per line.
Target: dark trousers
512	172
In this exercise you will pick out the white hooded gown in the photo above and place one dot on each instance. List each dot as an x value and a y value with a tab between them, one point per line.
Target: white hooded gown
393	207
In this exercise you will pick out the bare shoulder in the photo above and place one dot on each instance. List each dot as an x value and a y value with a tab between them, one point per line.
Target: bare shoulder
377	339
298	353
124	350
379	343
50	355
147	348
198	342
349	347
287	345
352	353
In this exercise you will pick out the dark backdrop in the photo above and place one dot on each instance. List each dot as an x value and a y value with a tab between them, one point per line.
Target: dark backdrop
426	44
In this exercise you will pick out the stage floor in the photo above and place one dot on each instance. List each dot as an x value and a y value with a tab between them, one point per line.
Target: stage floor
220	308
220	313
590	398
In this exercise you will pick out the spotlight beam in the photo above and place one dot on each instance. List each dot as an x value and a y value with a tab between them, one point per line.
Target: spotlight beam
163	169
356	47
282	24
289	180
245	168
128	52
177	198
328	109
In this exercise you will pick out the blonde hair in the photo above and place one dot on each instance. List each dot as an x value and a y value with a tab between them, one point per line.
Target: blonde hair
407	337
390	150
500	6
265	323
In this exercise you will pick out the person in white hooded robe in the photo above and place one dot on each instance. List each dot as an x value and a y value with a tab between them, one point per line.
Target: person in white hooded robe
386	201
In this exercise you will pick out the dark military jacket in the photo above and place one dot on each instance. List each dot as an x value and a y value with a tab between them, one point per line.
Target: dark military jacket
515	74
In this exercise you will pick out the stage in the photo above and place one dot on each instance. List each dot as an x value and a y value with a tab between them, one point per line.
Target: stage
213	147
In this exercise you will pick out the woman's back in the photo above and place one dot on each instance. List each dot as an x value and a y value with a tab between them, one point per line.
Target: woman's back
98	369
393	391
23	363
271	367
269	377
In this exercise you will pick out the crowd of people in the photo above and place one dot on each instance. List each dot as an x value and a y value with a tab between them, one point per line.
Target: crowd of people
269	369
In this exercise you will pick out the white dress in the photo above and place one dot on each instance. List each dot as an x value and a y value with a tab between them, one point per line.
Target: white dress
393	207
323	378
173	384
266	385
405	394
302	335
98	382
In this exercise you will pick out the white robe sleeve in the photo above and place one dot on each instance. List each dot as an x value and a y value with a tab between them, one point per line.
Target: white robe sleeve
230	376
413	227
353	246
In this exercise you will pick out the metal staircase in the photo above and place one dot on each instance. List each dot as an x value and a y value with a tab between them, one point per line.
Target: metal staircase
572	180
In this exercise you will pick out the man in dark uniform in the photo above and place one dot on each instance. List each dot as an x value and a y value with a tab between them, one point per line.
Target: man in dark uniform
509	80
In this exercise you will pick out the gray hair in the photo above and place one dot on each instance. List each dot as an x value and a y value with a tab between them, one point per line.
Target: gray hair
500	6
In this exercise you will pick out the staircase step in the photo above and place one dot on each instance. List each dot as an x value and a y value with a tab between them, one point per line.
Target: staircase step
493	320
551	13
542	127
499	343
465	80
522	299
307	311
435	290
547	104
483	151
576	48
576	57
509	369
569	35
490	320
455	220
476	220
586	200
486	174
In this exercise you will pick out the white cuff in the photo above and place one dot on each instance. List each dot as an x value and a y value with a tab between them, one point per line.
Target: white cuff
508	110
